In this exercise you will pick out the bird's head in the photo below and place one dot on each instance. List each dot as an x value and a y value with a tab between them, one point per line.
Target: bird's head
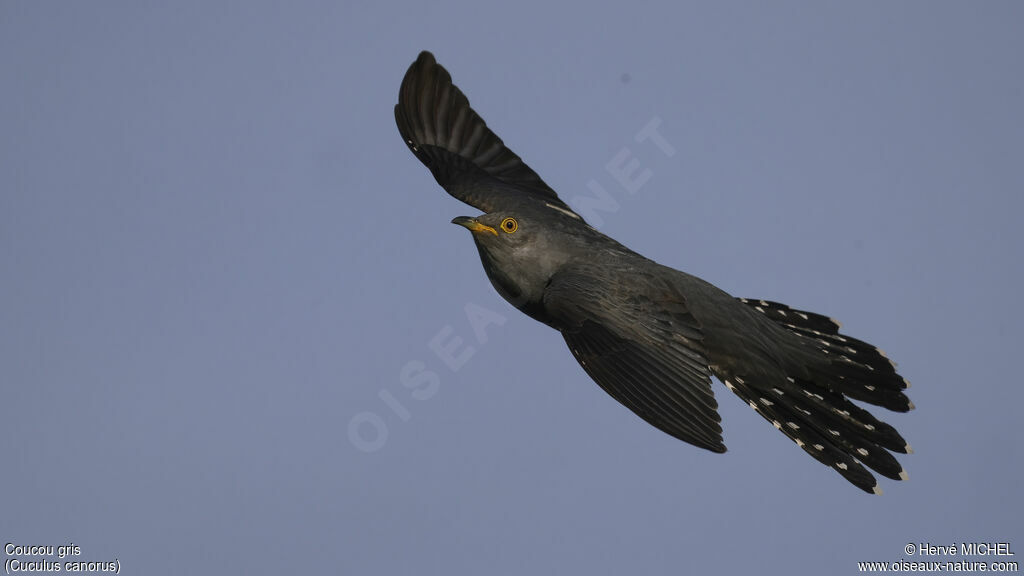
494	229
520	249
509	240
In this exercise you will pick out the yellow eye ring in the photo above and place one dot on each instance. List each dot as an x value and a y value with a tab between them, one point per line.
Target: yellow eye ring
509	225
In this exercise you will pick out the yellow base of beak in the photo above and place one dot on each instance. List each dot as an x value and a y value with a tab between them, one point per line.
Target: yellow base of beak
473	225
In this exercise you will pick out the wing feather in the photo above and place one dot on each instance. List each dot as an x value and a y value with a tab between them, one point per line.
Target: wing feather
466	158
634	336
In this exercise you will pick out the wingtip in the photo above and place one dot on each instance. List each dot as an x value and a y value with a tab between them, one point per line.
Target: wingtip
425	58
877	489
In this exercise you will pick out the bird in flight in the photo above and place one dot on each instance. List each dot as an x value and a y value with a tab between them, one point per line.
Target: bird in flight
649	335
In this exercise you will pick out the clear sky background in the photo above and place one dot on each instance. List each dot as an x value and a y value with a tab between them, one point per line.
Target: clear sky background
217	256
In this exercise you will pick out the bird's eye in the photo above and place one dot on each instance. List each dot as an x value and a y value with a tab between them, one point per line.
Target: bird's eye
509	225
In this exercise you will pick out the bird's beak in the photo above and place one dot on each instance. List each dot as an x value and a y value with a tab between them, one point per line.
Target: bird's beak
473	225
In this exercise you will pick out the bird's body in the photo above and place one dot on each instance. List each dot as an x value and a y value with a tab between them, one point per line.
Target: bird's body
649	335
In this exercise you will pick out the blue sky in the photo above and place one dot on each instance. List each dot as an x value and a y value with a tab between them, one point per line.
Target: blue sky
217	254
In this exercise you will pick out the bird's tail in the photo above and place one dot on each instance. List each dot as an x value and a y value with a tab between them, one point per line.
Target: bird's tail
812	405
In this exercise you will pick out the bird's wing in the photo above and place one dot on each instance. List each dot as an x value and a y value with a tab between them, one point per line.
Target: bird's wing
633	334
454	142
